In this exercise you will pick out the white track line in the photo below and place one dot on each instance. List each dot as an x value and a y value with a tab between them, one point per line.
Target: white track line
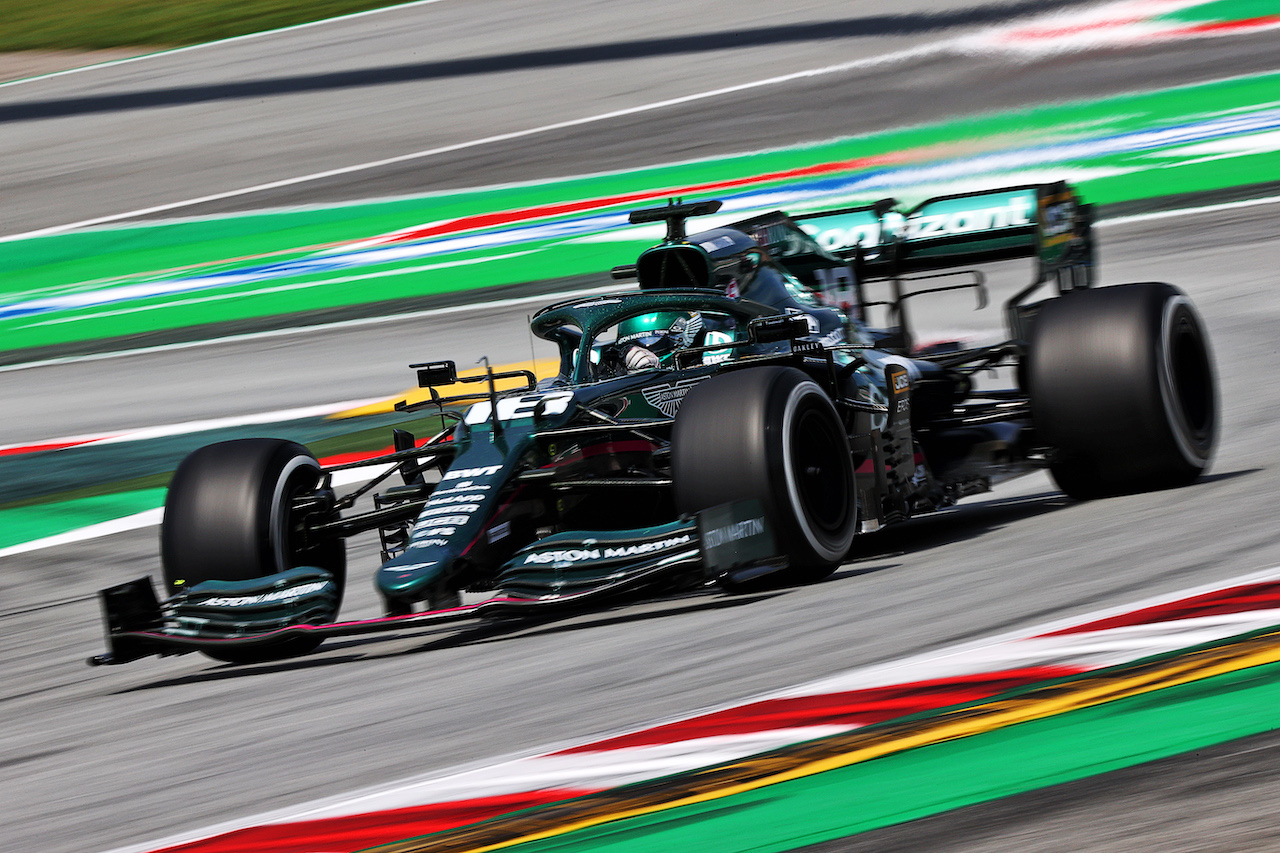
151	518
1186	211
545	298
137	521
202	45
868	62
188	427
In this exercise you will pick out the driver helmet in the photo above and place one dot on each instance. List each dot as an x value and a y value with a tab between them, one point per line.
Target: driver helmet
661	332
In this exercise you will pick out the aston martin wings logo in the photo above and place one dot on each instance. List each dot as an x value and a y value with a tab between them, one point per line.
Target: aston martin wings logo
666	398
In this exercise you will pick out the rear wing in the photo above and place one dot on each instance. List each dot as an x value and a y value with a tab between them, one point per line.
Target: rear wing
1046	222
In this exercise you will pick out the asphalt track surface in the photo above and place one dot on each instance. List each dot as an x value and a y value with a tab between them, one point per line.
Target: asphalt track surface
98	758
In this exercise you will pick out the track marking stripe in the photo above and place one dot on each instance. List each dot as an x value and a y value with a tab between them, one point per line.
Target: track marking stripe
843	750
1241	599
149	518
185	427
868	62
593	219
40	447
137	521
509	303
493	304
1185	211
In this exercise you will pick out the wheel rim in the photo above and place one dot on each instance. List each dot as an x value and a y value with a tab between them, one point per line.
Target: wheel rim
818	475
298	476
821	481
1187	383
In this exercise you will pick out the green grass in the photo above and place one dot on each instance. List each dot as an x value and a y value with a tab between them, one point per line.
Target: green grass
97	24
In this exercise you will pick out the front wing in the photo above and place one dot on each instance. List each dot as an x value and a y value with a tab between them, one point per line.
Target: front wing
138	624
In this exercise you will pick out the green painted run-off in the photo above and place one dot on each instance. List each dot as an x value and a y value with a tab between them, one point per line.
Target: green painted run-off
29	523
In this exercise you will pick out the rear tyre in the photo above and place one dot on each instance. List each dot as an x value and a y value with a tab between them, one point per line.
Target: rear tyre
770	434
228	517
1122	387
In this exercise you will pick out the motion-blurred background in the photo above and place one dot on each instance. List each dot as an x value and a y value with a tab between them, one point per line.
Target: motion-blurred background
239	218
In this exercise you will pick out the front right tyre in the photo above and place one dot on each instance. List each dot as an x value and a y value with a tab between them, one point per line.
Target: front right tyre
770	434
228	517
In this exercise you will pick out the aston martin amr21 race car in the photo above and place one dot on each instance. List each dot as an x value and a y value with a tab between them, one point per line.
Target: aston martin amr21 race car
733	422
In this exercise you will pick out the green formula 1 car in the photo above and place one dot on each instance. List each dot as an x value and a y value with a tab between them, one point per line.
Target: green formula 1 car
734	421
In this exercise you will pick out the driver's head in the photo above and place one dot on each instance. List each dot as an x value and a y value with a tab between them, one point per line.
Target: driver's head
661	332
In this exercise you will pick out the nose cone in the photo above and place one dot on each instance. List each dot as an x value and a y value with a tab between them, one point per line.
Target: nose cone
410	576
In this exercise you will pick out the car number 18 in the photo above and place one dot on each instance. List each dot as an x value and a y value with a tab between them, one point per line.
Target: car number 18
524	406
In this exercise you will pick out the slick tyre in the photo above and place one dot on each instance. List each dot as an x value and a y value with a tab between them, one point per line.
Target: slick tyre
770	434
1123	390
228	517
